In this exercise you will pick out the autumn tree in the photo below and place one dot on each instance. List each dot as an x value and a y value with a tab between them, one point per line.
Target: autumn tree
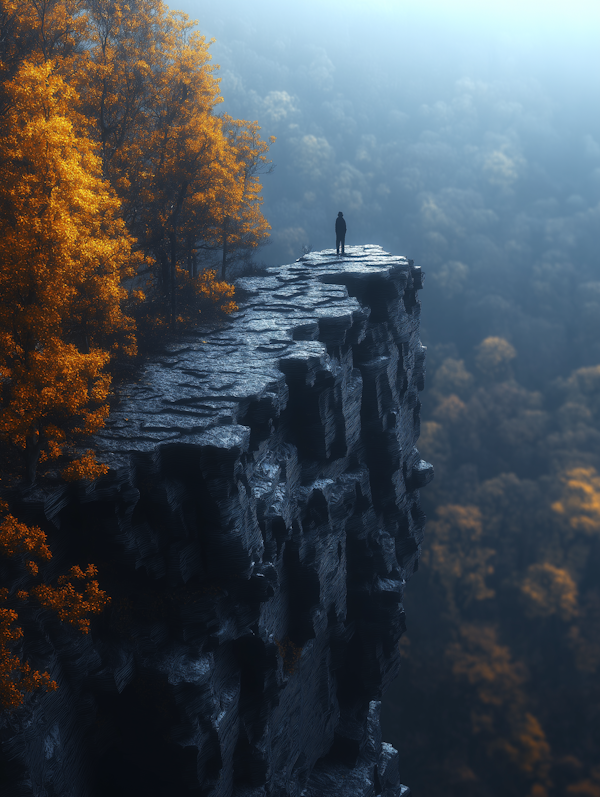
502	656
242	227
493	357
150	95
73	598
64	252
95	95
39	31
113	165
580	500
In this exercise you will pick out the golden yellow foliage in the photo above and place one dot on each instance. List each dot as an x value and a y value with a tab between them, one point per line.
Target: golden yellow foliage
17	538
528	748
241	223
186	177
493	356
433	443
208	288
548	590
498	680
16	677
72	606
518	482
580	500
585	382
486	664
64	252
26	543
194	297
456	556
450	409
91	96
84	467
38	31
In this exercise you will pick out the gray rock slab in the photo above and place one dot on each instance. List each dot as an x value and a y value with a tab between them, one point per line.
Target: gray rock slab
255	533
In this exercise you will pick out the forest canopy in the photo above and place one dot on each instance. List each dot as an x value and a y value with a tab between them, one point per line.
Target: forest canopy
501	659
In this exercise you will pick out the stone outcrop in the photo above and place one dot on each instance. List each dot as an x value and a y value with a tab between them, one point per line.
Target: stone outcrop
255	532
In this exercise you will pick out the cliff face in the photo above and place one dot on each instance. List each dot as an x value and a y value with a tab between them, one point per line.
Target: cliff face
255	533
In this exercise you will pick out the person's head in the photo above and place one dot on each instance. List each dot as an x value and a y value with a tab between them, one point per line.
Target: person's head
340	213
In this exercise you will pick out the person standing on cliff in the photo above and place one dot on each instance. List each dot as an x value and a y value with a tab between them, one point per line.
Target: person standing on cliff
340	232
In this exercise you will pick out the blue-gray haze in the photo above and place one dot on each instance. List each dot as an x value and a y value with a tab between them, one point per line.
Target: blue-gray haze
473	149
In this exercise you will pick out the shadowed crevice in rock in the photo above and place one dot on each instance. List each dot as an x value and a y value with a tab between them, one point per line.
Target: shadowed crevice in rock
255	532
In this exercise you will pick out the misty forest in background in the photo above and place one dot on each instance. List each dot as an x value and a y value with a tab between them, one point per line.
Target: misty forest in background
499	692
125	200
120	183
477	154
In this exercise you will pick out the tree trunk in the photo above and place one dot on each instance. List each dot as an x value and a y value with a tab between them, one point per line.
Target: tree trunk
165	271
224	268
173	237
33	449
190	258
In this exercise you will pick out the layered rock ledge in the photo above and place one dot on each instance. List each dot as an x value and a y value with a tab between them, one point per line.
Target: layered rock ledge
255	533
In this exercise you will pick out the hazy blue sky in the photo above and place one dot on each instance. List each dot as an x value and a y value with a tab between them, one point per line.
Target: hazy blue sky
465	135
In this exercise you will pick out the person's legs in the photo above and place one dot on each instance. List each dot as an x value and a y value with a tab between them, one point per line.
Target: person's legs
343	241
337	244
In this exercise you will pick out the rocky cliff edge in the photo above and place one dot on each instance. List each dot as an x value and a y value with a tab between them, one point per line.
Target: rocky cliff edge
255	533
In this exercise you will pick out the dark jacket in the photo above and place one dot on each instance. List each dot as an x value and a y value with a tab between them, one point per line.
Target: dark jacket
340	226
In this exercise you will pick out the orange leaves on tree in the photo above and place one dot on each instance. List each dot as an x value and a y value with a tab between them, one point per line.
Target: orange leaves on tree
580	500
64	252
40	30
186	177
16	677
85	467
549	591
456	555
17	538
493	357
488	666
149	93
71	605
241	224
25	544
208	288
112	163
194	297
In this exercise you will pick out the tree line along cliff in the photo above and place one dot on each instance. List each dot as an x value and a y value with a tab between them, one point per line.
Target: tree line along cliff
118	177
254	535
119	183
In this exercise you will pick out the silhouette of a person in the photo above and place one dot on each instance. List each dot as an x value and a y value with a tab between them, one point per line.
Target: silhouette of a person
340	232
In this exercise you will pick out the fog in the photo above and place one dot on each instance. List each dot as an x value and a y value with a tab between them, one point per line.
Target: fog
467	139
446	141
465	136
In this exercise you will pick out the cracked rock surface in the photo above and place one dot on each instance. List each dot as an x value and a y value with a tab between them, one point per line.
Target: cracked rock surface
255	533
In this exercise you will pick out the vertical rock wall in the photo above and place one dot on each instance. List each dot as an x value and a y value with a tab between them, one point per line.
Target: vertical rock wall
255	533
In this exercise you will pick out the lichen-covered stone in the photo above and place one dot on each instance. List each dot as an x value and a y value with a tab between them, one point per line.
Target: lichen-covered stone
255	532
